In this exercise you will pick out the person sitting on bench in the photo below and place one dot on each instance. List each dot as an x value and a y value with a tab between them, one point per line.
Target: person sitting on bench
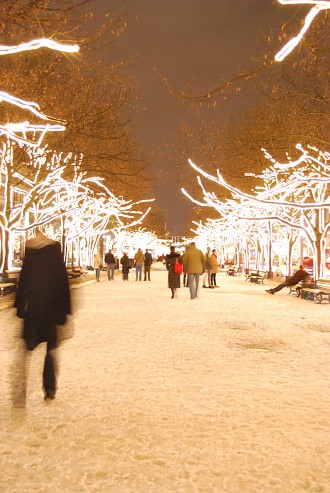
291	281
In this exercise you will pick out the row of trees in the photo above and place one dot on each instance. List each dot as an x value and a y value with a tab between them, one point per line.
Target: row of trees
295	194
39	186
292	194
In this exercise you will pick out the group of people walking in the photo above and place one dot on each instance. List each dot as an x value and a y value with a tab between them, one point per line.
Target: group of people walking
195	263
141	260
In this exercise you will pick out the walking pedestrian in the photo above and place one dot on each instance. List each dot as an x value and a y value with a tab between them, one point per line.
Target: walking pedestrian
193	261
138	264
98	264
110	260
147	264
213	268
124	261
43	302
173	277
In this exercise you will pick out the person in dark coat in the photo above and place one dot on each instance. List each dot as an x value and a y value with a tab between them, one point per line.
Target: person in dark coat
125	266
111	265
298	276
147	265
173	277
43	302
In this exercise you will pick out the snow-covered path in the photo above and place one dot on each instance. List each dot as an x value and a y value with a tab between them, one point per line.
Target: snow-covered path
226	393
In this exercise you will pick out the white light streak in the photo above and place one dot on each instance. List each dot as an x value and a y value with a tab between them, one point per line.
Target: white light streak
36	44
319	5
18	131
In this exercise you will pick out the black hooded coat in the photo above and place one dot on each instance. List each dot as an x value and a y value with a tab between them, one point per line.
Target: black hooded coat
43	297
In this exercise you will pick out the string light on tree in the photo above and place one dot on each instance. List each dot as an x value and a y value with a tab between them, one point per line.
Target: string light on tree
18	131
295	194
318	6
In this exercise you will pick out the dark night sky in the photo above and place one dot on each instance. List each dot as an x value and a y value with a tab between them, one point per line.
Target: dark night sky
189	41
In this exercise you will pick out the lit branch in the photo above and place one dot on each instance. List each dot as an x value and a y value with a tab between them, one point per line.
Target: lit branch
319	5
18	131
36	44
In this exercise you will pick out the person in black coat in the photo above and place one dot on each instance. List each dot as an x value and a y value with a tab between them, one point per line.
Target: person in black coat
111	265
43	302
298	276
125	266
147	265
173	277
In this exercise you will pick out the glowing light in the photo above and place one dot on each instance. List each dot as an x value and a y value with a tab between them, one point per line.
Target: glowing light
319	6
36	44
18	131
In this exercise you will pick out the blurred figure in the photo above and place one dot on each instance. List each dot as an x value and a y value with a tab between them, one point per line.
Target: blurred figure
110	260
43	301
98	264
147	265
185	275
193	261
173	277
138	264
206	273
124	261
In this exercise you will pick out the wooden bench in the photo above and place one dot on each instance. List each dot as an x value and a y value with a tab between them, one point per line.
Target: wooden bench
6	287
74	272
256	276
320	292
232	271
296	289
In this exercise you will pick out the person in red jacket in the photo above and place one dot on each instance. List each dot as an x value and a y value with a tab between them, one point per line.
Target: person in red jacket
298	276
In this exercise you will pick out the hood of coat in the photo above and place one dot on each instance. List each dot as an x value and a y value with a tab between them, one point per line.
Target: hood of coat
39	241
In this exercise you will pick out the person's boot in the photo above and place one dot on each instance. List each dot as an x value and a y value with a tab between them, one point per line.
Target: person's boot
270	291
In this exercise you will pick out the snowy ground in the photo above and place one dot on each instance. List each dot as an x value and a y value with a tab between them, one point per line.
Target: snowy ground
226	393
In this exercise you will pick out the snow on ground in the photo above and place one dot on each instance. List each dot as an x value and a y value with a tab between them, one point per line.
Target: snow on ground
226	393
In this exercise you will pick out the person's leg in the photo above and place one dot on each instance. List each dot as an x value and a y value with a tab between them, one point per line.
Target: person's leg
192	287
277	288
112	267
108	271
197	276
140	272
149	268
172	290
19	374
49	373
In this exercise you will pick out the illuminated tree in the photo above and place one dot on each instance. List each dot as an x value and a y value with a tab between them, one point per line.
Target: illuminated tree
295	194
90	91
33	189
